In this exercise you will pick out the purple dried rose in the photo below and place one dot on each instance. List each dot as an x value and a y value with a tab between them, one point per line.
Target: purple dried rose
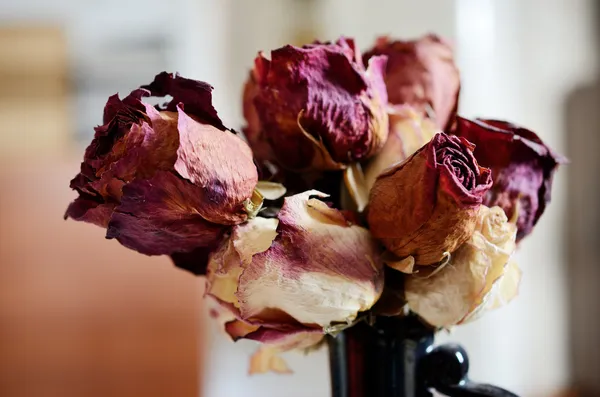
522	168
421	73
316	107
166	180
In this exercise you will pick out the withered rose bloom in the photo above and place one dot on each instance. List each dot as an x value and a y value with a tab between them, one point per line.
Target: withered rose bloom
165	180
409	131
427	206
305	272
479	276
316	106
421	73
522	167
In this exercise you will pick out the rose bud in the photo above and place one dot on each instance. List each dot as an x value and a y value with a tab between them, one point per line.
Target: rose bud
478	277
318	107
409	131
427	206
421	73
166	180
522	167
307	270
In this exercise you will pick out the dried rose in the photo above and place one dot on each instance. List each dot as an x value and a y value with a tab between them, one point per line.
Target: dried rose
409	131
478	277
427	206
317	106
165	181
422	74
307	270
522	167
253	130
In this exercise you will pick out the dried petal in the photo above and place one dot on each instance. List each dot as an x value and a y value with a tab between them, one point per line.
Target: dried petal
253	131
463	287
219	163
271	190
267	359
161	213
300	272
421	73
522	165
427	206
317	106
319	269
165	181
409	131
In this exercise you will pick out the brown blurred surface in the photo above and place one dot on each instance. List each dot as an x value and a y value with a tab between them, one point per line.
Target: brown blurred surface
81	315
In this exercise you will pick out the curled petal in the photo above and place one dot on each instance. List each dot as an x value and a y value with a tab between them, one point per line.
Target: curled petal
227	264
221	165
90	210
268	357
195	95
522	166
319	270
159	216
453	294
409	131
421	73
318	105
271	190
253	131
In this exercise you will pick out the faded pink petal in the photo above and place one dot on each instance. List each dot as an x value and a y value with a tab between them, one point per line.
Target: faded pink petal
421	73
319	270
220	164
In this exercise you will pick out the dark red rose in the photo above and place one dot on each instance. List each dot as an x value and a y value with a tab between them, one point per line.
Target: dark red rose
522	168
165	180
316	107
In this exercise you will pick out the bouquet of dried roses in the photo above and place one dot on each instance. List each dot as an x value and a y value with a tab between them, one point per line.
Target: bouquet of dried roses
354	191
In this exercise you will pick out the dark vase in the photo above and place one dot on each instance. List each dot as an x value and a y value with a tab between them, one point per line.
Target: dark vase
395	357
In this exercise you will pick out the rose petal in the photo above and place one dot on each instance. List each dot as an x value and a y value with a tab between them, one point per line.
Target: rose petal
453	294
91	211
195	95
421	73
522	166
427	206
227	264
267	359
320	269
159	216
319	107
221	165
271	190
409	131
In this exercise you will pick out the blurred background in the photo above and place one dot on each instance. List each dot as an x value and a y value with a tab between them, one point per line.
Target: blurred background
83	316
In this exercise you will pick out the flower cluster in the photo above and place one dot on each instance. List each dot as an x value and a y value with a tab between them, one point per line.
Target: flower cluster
356	190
